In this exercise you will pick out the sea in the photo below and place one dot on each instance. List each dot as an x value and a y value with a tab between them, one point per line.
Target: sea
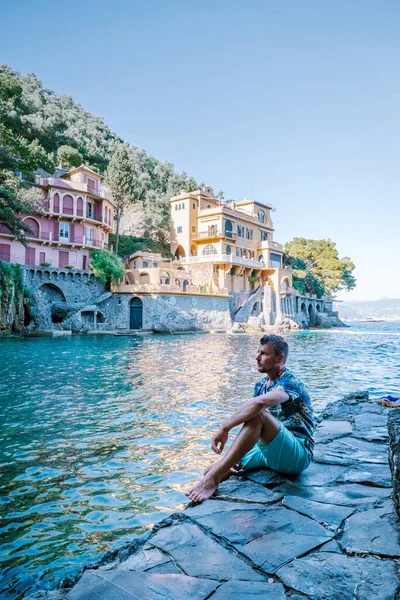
100	436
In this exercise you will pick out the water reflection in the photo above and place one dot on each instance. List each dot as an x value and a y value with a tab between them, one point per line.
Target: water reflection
99	435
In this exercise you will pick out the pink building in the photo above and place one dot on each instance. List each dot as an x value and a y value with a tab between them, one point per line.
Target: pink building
78	216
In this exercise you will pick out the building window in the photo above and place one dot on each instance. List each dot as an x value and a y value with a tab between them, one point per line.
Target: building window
238	253
194	205
176	207
216	269
209	249
261	258
261	217
89	210
5	252
232	271
155	265
249	234
228	250
64	231
42	257
183	205
145	264
240	230
179	229
119	300
89	235
274	260
264	235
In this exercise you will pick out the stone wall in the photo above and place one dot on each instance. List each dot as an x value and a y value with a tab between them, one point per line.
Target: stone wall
168	313
394	454
59	293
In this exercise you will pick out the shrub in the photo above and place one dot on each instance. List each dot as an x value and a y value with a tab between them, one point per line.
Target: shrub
106	266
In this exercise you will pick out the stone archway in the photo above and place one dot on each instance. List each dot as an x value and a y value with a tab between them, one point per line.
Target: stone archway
180	252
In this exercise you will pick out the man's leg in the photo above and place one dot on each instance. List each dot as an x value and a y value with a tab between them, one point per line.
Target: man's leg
264	427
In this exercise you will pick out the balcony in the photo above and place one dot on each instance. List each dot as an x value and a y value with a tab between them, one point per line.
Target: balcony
202	235
153	288
223	258
267	244
78	186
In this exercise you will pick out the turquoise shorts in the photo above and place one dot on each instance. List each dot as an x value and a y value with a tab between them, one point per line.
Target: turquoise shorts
285	454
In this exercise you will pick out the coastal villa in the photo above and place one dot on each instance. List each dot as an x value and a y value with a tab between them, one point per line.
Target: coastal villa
222	250
227	245
77	216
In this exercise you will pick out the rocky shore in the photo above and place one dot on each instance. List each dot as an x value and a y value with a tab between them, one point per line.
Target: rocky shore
330	533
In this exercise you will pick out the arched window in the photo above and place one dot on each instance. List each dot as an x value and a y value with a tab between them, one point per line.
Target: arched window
209	249
34	225
261	258
261	216
68	205
79	207
228	250
56	203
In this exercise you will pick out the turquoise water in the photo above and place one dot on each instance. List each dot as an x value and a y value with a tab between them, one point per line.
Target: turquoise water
100	436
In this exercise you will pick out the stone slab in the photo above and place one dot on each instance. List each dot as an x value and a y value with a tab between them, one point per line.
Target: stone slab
334	576
198	555
329	430
213	507
167	567
246	491
352	494
374	475
143	560
265	477
246	590
350	451
329	515
269	537
129	585
373	532
319	474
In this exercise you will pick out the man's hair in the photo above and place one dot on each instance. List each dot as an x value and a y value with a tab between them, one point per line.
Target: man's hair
279	345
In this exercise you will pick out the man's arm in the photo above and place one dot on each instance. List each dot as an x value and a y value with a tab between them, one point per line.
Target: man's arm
247	411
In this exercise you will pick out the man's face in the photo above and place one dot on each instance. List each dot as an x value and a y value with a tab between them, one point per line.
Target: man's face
267	360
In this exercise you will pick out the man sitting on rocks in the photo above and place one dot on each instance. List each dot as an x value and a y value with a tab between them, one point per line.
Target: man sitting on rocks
278	425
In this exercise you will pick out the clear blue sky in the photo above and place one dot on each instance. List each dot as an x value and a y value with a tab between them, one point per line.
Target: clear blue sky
300	97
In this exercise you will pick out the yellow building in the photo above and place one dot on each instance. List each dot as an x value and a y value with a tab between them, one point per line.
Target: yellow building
227	245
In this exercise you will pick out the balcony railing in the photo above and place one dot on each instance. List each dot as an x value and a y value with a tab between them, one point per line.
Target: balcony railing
100	192
269	244
153	288
214	234
225	258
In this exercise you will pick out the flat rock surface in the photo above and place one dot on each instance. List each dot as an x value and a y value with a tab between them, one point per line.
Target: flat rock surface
372	531
246	590
334	576
246	491
128	585
350	451
199	555
330	533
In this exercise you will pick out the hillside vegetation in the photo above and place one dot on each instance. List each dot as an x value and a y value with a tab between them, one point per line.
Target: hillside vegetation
41	129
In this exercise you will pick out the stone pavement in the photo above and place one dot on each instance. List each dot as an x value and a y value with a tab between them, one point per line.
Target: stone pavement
330	533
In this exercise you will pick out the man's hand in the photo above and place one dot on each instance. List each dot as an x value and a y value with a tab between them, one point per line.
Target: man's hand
219	440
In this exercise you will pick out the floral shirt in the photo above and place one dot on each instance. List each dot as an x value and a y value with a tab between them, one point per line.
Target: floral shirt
296	413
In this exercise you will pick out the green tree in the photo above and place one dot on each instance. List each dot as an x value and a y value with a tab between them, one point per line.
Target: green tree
120	179
106	266
69	157
317	267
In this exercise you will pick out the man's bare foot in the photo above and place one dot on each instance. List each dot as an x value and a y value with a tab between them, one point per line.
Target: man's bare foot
203	490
